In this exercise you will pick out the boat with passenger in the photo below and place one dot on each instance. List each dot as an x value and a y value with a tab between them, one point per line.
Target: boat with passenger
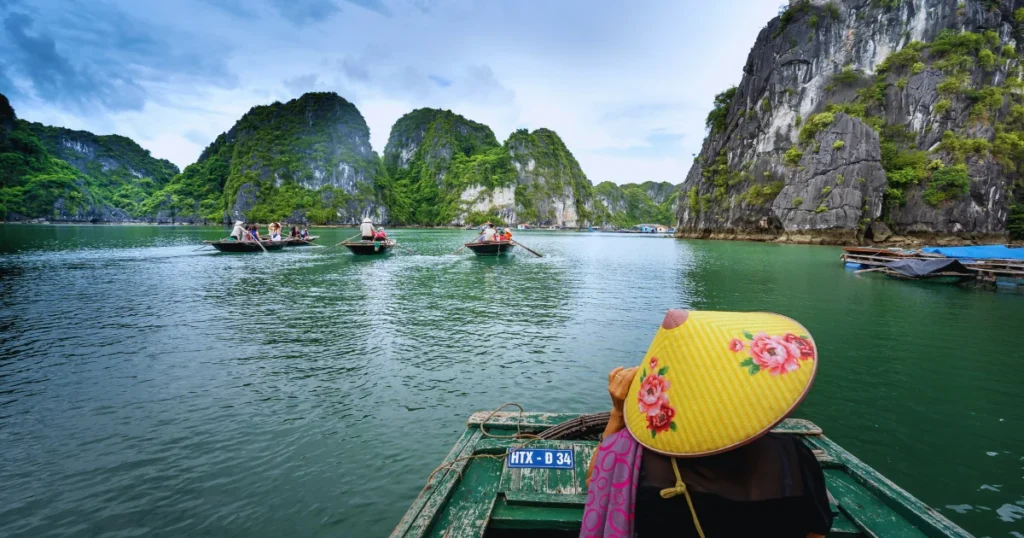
490	248
370	248
233	246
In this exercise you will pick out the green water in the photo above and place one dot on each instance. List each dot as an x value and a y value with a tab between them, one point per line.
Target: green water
146	389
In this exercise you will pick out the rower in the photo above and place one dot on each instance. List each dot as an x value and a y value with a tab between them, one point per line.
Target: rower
366	229
238	232
489	232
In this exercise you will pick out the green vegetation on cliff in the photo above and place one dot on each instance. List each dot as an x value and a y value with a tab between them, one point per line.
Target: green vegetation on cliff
308	157
431	157
57	173
548	171
624	206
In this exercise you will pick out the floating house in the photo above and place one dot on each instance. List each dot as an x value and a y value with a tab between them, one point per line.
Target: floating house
651	228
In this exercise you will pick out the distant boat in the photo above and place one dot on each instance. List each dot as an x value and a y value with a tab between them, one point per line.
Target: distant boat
245	246
370	248
293	242
490	248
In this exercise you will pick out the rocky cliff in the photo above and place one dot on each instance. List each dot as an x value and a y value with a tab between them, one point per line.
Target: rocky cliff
868	120
447	169
622	206
74	176
305	160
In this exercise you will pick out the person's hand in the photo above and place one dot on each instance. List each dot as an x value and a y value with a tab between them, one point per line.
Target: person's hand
619	381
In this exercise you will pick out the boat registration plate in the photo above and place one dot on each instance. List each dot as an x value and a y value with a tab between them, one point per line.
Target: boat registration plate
540	458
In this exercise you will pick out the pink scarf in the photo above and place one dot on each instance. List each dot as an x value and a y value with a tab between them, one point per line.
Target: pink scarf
612	492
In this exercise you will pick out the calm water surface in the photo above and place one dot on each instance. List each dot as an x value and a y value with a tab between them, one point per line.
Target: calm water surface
147	389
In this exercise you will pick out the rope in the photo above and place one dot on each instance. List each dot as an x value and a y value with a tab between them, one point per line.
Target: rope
518	435
680	489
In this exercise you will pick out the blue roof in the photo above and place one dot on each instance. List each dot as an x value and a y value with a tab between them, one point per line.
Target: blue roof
987	252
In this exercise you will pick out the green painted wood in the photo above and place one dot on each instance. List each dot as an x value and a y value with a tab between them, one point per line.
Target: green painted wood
468	512
866	511
490	495
518	516
434	497
924	517
537	422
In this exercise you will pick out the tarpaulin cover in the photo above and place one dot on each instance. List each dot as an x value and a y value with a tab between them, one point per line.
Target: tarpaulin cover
987	252
919	268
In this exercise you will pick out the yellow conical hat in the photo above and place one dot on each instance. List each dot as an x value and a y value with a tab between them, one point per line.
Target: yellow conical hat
713	381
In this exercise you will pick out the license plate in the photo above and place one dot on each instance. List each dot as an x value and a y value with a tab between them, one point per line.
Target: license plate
540	458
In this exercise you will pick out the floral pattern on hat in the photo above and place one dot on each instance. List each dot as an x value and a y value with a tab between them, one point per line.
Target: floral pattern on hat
778	355
652	399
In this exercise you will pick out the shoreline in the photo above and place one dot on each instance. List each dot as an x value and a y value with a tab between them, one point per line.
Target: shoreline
849	240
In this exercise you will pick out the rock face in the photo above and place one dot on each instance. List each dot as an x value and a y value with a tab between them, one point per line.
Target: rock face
551	188
622	206
307	160
58	174
856	112
451	170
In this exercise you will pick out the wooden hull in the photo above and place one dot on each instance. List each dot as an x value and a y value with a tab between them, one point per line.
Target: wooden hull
369	248
477	495
245	246
300	242
494	248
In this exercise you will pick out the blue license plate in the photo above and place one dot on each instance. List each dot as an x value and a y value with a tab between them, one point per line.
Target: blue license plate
540	458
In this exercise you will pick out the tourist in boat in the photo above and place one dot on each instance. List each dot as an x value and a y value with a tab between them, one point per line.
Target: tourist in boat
697	465
238	232
275	231
254	233
366	229
489	233
294	233
506	234
304	234
380	235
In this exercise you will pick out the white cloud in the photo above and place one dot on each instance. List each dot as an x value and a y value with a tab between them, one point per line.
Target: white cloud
627	88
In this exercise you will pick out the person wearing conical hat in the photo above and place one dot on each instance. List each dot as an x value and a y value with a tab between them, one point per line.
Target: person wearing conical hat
687	450
238	232
366	229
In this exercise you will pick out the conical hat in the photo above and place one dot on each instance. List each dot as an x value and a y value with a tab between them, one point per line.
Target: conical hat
367	219
714	381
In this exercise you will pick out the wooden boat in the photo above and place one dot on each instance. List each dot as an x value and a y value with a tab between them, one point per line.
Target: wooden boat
245	246
478	496
291	242
490	248
370	248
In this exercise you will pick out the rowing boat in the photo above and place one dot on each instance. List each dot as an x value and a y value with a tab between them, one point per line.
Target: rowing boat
245	246
474	496
369	248
294	242
490	248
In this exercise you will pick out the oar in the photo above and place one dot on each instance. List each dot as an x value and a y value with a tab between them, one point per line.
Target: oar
260	243
347	240
201	248
518	244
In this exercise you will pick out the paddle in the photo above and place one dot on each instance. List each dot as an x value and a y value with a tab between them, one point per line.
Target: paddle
347	240
518	244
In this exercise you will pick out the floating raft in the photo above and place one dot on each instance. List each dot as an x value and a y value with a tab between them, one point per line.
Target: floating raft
245	246
1007	272
370	248
481	496
490	248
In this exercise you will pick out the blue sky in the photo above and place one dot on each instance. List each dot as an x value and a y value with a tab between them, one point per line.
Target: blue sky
626	88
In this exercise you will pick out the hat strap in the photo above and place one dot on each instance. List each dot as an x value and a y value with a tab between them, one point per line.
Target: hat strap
680	489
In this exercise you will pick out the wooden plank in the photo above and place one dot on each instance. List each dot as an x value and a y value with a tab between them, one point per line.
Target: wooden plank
546	499
468	512
529	517
529	422
432	500
537	422
866	511
924	517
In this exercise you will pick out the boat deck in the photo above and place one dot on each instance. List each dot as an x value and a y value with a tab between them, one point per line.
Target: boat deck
479	496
